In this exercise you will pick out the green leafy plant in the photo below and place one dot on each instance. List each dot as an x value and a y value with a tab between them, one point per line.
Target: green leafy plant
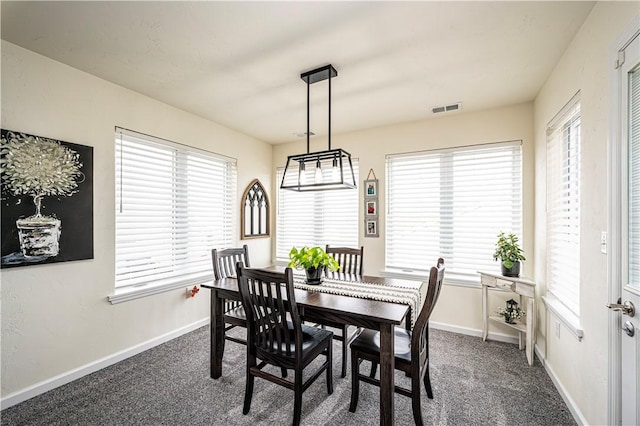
508	250
314	257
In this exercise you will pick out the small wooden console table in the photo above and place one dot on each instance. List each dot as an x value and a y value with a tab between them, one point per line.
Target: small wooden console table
524	288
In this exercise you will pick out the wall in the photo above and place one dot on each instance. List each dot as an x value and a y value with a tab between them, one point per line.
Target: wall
581	367
458	129
56	318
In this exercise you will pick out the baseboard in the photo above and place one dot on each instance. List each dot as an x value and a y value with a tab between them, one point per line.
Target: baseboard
92	367
571	404
473	332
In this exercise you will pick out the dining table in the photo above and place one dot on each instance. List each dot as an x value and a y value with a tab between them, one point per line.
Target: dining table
372	309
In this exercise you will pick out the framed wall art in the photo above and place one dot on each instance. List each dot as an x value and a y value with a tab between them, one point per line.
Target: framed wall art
371	205
254	212
47	200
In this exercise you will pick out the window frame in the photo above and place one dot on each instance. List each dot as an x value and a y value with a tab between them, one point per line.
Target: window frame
436	157
185	259
564	292
319	236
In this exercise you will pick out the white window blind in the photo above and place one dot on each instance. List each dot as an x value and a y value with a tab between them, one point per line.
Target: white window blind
634	179
316	218
174	204
563	206
452	203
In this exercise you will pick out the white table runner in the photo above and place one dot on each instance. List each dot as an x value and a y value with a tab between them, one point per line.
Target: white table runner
410	295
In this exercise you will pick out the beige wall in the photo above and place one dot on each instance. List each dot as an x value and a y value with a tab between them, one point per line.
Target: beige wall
458	129
56	318
581	367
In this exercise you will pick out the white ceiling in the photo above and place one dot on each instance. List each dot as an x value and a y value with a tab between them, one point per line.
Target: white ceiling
239	63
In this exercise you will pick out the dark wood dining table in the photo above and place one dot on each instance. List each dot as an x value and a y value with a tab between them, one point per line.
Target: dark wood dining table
360	312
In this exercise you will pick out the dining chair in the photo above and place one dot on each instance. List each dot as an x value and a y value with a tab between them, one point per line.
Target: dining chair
411	352
276	335
224	265
350	261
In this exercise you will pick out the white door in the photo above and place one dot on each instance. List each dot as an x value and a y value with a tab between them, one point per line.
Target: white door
625	236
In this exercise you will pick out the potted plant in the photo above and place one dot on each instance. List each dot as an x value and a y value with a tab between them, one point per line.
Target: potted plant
511	313
313	261
510	254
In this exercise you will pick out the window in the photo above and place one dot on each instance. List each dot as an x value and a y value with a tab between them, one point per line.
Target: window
452	203
316	218
634	180
174	204
563	206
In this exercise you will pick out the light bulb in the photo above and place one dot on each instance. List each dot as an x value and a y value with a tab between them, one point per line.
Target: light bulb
335	171
318	176
302	175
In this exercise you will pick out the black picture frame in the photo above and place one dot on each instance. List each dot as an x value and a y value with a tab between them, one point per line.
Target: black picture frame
68	211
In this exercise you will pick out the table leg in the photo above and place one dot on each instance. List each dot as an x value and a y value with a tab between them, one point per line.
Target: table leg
530	337
217	334
485	319
387	370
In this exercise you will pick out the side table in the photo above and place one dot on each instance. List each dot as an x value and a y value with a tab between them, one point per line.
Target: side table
524	288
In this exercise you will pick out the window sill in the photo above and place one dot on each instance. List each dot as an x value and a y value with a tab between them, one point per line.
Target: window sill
570	320
127	294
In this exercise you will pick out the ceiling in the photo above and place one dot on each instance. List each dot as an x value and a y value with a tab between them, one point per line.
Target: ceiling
239	63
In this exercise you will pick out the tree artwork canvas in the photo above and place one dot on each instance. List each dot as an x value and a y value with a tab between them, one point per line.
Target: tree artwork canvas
47	200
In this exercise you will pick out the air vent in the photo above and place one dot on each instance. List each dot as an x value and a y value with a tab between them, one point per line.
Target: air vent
304	134
447	108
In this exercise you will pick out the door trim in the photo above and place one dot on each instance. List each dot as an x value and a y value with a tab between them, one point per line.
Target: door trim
614	223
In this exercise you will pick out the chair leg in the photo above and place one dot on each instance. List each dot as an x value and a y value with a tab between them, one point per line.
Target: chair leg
283	371
297	399
415	399
355	382
374	368
345	349
427	384
330	367
248	393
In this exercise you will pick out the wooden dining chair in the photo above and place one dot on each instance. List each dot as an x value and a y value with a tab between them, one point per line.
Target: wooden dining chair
411	351
224	265
350	261
276	335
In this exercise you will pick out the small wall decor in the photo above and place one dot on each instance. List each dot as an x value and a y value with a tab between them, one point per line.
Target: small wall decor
254	212
371	205
47	200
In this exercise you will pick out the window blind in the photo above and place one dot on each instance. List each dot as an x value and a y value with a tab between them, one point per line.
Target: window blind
563	206
174	203
316	218
452	203
634	179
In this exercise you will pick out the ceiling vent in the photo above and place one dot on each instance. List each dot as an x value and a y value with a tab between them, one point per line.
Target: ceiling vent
447	108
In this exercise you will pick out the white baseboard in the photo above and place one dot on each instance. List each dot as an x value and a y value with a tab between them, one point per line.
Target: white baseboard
473	332
62	379
571	404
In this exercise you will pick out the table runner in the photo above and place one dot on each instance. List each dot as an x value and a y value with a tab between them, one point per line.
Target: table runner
385	293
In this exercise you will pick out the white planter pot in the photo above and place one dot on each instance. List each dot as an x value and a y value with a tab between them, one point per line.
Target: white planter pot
39	236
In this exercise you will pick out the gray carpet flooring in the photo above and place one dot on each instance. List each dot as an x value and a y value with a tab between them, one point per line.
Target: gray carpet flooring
474	383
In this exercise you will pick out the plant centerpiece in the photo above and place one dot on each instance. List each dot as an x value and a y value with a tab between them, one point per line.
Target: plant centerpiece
510	254
512	312
314	261
38	167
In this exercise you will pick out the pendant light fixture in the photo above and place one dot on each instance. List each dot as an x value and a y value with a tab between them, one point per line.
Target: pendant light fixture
323	170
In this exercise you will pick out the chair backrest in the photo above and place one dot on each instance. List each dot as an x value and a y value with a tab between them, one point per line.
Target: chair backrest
224	261
419	338
273	322
349	259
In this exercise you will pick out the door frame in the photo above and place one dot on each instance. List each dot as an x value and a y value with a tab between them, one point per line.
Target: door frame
617	177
